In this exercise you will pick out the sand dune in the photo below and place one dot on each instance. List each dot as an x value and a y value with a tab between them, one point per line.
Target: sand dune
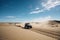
40	31
12	32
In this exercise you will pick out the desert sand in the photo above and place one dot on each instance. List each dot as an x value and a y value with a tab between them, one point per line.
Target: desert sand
13	32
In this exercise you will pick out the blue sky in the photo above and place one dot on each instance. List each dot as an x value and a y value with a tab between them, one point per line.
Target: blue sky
29	10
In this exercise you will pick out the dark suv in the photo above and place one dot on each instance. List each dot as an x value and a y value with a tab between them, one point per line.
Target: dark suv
27	26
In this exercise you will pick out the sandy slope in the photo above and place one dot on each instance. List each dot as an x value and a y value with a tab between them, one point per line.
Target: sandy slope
12	32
